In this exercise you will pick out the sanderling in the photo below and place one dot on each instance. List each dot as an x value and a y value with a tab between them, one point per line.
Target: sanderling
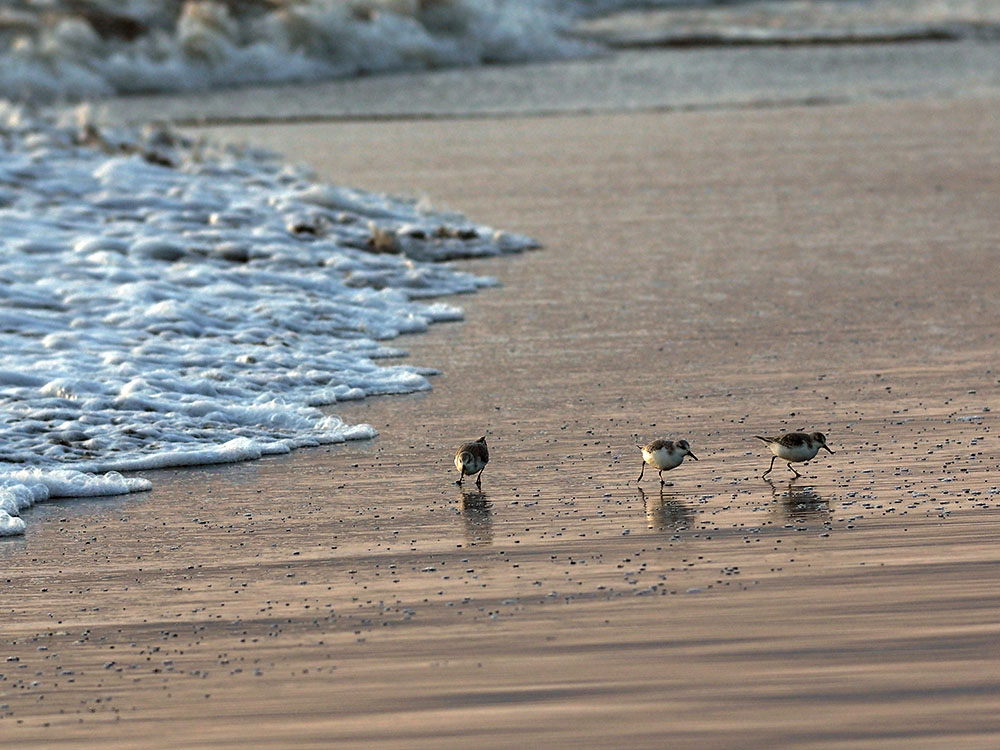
664	455
471	459
794	447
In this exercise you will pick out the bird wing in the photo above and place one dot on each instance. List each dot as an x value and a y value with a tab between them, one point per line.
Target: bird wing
657	445
794	439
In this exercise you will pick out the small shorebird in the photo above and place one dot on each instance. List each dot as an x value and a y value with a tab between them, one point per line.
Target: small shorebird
664	455
794	447
471	459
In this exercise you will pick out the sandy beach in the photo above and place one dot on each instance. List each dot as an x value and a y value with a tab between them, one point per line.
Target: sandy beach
706	275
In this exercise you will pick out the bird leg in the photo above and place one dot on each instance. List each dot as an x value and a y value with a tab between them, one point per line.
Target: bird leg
797	475
769	468
461	476
641	471
479	478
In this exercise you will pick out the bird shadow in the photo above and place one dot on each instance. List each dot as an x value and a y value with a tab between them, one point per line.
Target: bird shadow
666	512
477	517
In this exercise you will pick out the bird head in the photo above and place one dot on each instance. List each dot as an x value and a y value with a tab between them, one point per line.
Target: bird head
683	444
820	438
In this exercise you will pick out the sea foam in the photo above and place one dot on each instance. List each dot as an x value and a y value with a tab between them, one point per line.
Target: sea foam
168	302
64	49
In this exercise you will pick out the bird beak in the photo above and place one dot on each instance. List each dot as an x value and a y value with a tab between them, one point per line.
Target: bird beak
692	455
828	450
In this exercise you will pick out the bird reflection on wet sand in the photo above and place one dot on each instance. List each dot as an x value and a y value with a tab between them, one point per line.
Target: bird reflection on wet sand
800	503
477	513
665	512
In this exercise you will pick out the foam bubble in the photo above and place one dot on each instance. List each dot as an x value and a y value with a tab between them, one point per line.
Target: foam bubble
54	50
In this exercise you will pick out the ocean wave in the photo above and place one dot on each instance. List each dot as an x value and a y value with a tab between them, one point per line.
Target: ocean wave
90	48
165	301
63	50
797	22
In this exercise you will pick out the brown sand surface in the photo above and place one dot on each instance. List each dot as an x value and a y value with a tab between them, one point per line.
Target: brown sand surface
705	275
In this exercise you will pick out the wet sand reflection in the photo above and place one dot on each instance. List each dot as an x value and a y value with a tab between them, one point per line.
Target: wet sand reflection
477	515
800	503
666	512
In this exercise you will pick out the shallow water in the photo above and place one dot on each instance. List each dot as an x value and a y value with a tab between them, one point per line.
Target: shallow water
627	80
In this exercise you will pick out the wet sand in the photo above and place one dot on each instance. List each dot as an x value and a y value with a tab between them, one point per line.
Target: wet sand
705	275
